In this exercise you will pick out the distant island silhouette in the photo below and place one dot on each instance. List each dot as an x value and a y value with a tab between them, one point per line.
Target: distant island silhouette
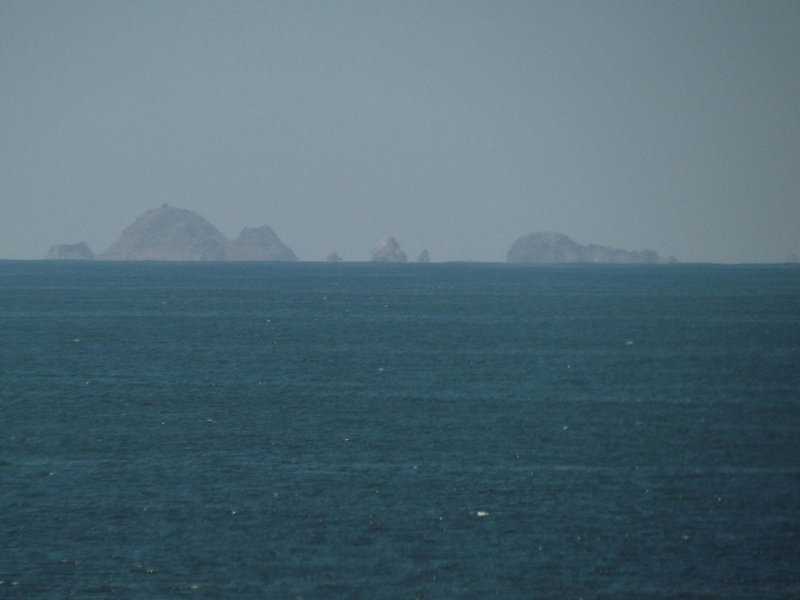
388	250
551	247
176	234
79	251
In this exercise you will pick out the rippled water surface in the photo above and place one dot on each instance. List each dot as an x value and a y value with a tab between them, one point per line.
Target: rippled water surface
399	431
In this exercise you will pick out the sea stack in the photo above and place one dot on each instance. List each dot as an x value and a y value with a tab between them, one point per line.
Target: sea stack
388	250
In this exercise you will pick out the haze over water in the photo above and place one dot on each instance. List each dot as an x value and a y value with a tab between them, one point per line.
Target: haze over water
454	126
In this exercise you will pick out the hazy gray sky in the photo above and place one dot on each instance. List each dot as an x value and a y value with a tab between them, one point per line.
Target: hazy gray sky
454	126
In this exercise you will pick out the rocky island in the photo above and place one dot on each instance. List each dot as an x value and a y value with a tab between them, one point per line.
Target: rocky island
259	244
388	250
176	234
551	247
79	251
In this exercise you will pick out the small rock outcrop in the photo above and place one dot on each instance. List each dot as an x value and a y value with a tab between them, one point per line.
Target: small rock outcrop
424	257
259	244
388	250
79	251
333	257
551	247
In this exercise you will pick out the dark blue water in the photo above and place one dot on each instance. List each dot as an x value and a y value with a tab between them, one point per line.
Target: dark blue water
399	431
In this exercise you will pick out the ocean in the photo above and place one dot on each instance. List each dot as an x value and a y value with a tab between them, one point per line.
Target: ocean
383	431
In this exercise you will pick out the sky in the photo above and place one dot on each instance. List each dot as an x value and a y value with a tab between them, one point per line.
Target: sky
456	127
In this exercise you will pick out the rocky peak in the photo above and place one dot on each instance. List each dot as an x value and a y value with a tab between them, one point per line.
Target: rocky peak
260	244
168	233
